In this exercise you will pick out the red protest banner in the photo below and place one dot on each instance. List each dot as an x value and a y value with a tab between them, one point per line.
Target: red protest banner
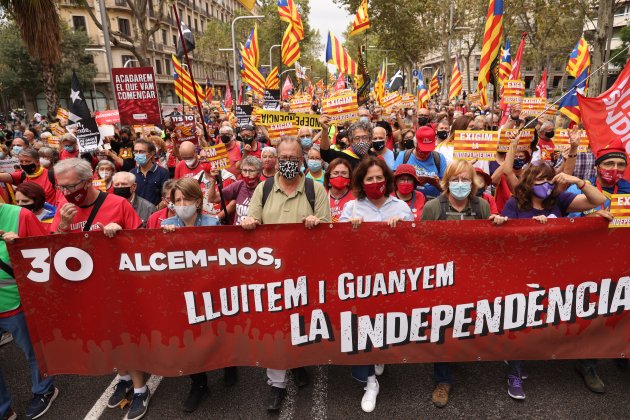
136	94
205	298
185	127
107	117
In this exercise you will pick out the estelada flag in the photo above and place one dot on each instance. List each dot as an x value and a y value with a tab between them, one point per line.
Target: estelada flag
361	19
605	118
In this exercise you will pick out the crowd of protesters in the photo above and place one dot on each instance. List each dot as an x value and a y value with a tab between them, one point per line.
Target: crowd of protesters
385	167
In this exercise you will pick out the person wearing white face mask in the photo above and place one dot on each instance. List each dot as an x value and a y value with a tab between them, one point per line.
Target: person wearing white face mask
105	171
187	199
188	165
48	157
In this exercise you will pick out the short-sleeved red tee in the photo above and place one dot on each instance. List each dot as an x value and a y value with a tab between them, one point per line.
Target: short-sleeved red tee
336	206
42	180
114	209
183	171
155	220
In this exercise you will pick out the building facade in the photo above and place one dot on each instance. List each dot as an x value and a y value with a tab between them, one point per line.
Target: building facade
196	14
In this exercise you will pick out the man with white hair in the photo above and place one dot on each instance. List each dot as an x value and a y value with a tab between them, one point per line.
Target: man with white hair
226	134
125	186
84	208
545	147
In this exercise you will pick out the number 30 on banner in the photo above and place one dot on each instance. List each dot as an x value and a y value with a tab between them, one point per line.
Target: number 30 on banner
41	267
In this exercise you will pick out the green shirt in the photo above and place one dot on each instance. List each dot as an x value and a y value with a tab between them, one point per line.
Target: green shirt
9	222
282	208
432	211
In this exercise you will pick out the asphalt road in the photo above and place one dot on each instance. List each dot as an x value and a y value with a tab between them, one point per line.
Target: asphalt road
554	390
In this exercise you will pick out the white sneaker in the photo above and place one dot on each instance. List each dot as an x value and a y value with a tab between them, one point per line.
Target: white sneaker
379	369
5	338
368	402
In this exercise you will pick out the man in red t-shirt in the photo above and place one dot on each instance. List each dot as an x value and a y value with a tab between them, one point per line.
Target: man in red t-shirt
69	147
113	213
32	171
155	220
188	165
226	134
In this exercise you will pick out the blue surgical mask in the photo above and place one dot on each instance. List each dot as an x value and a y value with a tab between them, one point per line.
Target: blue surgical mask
69	149
1	155
364	119
307	142
460	189
314	165
17	150
141	159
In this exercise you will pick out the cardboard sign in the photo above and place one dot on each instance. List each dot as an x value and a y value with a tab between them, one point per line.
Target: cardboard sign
185	128
62	113
217	155
474	98
532	107
243	113
136	94
107	117
408	101
561	140
300	103
620	209
503	144
87	134
53	142
513	92
552	111
99	184
57	129
475	145
390	100
9	165
210	297
269	118
275	131
272	100
341	108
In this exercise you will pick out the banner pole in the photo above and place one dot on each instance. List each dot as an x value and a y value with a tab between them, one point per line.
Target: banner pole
192	77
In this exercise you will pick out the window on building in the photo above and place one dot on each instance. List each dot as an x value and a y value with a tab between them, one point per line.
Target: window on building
477	63
167	66
123	26
130	59
621	10
164	37
158	66
189	25
78	22
196	26
175	40
207	9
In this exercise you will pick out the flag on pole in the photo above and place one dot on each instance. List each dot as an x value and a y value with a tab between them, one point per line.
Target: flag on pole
541	89
505	67
208	95
515	73
189	40
579	59
251	47
286	88
337	55
228	94
273	80
455	88
569	105
341	82
290	46
379	84
434	85
491	41
184	85
361	19
289	13
78	109
300	72
396	82
423	94
250	73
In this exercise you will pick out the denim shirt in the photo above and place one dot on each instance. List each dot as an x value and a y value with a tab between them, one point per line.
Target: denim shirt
202	220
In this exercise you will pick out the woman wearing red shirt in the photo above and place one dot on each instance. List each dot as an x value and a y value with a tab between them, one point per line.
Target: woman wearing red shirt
406	180
337	180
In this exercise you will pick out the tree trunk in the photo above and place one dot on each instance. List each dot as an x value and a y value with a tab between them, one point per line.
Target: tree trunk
468	73
446	81
50	89
603	33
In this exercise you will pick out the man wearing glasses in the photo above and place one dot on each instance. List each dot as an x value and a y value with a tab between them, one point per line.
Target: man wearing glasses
288	197
360	142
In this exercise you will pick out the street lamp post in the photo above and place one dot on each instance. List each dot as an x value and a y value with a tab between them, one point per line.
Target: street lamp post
234	50
270	56
93	84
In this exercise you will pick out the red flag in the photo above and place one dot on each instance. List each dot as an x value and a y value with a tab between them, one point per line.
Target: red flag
228	95
541	89
605	117
515	74
288	86
341	82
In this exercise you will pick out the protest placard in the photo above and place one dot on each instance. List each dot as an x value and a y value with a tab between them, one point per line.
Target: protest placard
341	108
620	209
513	92
561	140
243	114
185	128
110	117
532	107
475	145
408	101
272	100
136	94
391	100
300	103
503	144
9	165
217	155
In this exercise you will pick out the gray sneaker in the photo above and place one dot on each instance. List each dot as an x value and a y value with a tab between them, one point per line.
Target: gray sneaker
591	378
515	387
6	338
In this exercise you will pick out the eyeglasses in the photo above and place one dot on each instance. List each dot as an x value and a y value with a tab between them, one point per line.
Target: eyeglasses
361	138
292	158
69	188
249	171
248	127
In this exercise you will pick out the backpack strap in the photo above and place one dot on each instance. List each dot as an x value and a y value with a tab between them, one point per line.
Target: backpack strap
7	269
475	206
309	189
437	161
22	177
267	186
97	205
51	177
407	155
443	206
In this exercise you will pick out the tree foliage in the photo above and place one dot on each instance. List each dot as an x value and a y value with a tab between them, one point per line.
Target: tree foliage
622	57
21	72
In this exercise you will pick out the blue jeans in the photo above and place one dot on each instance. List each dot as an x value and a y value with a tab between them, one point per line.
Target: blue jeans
515	367
16	325
442	373
361	373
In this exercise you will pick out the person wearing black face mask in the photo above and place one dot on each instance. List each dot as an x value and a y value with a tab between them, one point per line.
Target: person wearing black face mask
32	171
226	134
545	143
249	145
125	187
407	142
31	196
423	117
379	137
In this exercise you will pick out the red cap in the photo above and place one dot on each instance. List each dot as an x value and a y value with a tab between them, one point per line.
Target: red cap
425	137
615	146
407	169
485	176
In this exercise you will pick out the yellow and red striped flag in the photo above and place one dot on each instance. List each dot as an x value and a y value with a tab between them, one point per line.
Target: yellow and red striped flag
379	84
184	86
455	88
289	13
505	66
251	47
579	59
273	80
491	41
249	71
423	94
290	46
337	54
361	19
434	85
